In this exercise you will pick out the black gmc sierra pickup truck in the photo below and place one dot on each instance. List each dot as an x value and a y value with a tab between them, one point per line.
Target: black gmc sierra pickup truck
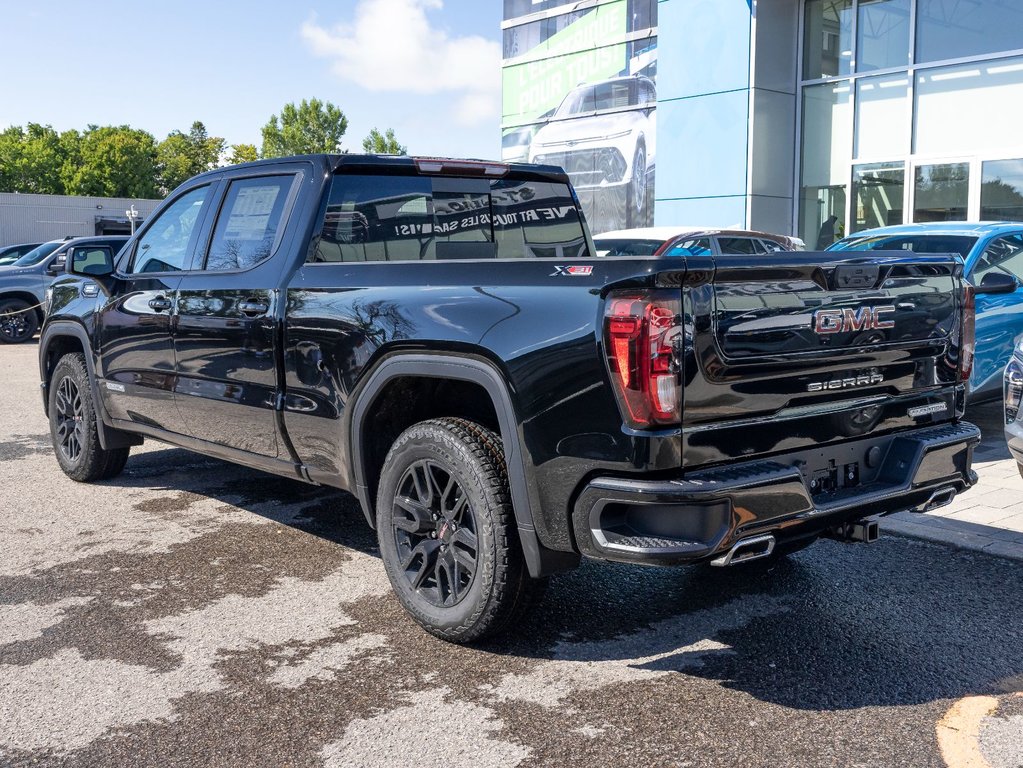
436	337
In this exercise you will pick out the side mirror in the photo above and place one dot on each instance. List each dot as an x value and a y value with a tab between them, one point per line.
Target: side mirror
91	261
997	282
56	266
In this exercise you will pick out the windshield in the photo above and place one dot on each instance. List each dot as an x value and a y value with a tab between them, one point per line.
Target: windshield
610	246
961	244
37	254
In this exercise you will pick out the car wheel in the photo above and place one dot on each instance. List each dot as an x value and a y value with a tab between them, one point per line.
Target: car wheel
447	531
73	427
637	187
18	323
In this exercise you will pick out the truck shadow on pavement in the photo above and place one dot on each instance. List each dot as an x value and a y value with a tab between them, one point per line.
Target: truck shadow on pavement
835	627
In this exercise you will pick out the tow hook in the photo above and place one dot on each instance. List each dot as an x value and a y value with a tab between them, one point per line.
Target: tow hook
859	530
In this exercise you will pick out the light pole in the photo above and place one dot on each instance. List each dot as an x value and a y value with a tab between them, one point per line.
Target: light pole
132	215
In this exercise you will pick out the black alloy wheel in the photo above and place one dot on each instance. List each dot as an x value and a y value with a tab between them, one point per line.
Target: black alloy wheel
70	415
73	424
447	531
435	533
18	322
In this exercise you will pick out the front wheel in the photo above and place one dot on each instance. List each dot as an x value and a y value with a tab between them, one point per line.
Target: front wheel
447	532
73	427
18	321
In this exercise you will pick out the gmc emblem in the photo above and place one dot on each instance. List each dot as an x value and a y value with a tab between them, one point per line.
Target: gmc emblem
827	321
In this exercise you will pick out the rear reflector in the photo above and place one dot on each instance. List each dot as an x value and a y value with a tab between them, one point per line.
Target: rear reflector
641	330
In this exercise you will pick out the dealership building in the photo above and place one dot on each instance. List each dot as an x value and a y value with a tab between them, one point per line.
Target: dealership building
30	218
806	117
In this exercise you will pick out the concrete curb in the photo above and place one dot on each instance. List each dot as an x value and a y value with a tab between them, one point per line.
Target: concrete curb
972	536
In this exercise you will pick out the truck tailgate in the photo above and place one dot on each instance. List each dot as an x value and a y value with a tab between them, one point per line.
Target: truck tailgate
808	349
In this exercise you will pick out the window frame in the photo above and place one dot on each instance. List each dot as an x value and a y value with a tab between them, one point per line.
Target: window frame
201	255
910	159
591	254
127	261
753	241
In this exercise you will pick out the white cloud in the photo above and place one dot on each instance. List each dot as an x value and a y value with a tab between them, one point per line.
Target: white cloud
390	45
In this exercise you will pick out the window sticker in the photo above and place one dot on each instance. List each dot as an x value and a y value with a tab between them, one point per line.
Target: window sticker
251	213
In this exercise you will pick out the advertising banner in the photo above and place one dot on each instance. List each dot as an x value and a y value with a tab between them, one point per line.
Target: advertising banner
579	91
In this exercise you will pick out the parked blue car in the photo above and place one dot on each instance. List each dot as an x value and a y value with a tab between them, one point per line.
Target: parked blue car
993	253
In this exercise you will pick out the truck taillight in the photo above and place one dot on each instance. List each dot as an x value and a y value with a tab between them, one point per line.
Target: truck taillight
640	331
969	336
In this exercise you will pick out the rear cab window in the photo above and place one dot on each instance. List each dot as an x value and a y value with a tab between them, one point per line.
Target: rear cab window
248	223
442	218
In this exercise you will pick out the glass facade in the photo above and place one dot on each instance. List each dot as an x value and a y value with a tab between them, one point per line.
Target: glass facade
910	111
579	90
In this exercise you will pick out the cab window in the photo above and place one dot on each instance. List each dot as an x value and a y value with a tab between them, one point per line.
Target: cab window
422	218
249	220
699	246
740	245
165	245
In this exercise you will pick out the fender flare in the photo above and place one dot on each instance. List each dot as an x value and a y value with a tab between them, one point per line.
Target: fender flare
540	560
109	438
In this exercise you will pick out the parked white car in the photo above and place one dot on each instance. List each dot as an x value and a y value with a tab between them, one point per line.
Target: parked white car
604	136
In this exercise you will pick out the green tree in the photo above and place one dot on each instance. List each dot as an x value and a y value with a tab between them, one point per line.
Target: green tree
313	126
31	159
243	153
115	161
183	155
383	143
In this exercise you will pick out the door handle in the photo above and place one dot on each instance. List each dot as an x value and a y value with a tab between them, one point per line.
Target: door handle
160	303
253	308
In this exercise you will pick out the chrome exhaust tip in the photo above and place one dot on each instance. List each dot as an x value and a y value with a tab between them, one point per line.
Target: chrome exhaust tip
940	498
744	550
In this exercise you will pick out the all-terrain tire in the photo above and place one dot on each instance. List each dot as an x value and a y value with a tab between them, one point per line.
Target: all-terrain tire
433	469
18	323
73	427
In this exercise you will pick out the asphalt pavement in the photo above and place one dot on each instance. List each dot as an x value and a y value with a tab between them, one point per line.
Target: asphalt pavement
192	612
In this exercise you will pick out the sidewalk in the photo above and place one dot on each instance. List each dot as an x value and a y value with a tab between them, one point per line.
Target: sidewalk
989	516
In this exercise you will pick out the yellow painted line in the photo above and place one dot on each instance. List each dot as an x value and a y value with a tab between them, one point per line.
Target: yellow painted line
959	732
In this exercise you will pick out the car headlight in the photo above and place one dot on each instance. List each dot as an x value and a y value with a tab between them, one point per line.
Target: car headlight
618	135
48	301
1012	388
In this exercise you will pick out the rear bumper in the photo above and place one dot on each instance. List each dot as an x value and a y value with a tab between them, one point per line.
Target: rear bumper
693	518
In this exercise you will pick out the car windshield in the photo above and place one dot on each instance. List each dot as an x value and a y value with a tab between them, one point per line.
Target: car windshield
610	246
961	244
37	254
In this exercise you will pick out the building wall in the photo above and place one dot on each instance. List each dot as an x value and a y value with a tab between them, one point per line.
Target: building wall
727	113
703	112
37	218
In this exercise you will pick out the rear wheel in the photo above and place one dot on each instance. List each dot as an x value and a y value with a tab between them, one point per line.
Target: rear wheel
447	532
18	322
73	427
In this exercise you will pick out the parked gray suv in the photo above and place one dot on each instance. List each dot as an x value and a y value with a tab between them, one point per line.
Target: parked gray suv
23	284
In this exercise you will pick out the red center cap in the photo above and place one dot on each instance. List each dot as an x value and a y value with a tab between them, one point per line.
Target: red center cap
443	530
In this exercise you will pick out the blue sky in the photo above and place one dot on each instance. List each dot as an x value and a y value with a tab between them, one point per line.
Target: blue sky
430	69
